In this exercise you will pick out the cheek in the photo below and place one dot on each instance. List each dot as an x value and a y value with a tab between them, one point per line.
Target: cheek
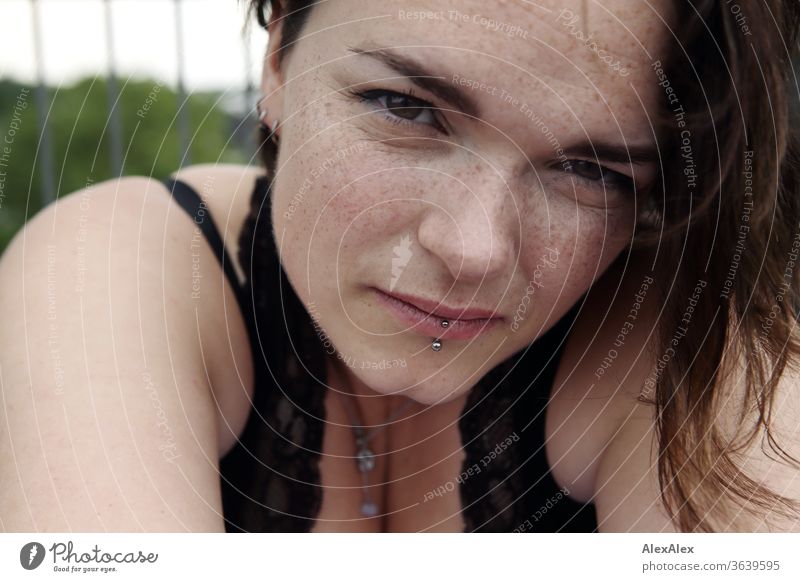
573	248
354	196
338	203
598	237
314	200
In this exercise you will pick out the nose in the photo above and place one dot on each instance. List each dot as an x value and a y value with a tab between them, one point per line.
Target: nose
470	233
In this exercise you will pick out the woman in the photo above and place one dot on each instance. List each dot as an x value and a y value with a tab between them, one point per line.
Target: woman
521	270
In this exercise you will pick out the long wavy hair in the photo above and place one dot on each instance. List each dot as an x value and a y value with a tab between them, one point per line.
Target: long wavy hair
723	221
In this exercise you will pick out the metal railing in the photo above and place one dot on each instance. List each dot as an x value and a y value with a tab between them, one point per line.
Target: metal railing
44	157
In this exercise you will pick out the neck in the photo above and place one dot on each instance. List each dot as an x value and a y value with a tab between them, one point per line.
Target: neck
373	408
376	409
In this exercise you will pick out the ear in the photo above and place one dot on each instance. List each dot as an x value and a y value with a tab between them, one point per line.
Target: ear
271	74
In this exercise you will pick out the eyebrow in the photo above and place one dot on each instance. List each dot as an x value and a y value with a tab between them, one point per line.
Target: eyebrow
422	78
439	86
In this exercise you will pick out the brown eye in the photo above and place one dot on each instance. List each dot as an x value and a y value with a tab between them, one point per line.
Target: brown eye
603	176
401	107
587	170
404	106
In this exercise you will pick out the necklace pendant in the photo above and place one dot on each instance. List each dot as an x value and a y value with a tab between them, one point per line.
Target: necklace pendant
365	459
369	509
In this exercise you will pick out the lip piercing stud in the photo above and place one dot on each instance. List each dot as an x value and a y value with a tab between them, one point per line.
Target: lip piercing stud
436	345
445	323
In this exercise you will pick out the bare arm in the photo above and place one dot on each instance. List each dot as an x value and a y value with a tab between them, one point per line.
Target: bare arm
107	420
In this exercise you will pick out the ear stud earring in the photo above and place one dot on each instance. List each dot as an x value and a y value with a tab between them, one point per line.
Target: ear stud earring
262	118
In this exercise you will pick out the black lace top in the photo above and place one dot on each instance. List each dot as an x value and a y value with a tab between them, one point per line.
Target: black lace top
271	480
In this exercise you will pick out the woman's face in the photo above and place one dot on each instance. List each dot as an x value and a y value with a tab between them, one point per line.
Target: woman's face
506	184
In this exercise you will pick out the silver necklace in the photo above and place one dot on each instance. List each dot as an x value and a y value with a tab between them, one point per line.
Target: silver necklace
365	458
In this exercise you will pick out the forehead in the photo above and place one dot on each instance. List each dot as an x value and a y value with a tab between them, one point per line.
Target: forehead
580	47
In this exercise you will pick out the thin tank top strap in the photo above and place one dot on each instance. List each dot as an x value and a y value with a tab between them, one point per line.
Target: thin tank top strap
191	202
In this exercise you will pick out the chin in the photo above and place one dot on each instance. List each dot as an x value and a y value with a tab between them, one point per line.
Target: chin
427	391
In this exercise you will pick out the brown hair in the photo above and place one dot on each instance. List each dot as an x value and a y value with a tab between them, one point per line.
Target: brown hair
723	222
731	215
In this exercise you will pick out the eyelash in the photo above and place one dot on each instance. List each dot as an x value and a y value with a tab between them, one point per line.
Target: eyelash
371	96
616	180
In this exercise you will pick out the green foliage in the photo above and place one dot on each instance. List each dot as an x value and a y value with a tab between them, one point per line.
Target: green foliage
80	134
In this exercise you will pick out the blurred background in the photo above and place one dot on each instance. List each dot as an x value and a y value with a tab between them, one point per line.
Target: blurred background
94	89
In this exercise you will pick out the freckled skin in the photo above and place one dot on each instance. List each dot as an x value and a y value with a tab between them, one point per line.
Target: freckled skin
481	205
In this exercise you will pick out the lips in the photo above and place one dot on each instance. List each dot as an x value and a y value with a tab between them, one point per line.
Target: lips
425	316
438	310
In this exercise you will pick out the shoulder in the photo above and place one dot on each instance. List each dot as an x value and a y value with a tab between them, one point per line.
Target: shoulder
226	190
765	450
608	353
614	361
627	490
131	233
104	366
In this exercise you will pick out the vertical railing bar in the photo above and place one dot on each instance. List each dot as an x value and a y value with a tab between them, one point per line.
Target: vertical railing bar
249	112
47	172
112	94
183	105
